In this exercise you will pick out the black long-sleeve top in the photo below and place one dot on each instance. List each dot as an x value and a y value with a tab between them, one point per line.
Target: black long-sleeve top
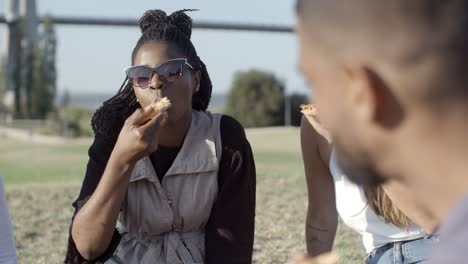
229	233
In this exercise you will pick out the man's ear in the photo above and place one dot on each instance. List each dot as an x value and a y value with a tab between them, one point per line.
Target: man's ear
371	97
363	92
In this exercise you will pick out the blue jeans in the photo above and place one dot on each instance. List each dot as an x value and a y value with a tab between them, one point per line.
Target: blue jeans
404	252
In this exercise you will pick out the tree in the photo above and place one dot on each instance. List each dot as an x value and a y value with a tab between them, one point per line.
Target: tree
3	83
43	85
296	100
256	99
33	79
18	106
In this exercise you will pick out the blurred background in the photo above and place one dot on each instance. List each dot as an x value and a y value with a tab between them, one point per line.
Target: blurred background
59	62
49	64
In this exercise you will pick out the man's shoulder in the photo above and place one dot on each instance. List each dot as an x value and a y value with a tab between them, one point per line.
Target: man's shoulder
453	247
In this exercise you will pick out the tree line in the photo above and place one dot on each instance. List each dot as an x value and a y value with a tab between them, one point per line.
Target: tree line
34	76
256	98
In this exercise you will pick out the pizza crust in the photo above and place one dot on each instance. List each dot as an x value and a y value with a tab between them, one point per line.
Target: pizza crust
308	109
161	105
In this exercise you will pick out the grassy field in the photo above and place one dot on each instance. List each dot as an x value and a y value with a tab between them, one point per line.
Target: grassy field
43	180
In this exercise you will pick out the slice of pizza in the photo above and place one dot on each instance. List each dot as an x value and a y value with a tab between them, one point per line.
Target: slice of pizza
161	105
309	109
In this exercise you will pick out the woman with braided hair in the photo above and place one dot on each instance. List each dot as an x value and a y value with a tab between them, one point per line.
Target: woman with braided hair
178	187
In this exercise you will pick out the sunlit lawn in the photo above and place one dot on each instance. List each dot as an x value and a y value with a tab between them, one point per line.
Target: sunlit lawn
43	180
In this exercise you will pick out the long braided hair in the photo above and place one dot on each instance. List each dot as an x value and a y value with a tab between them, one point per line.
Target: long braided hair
155	25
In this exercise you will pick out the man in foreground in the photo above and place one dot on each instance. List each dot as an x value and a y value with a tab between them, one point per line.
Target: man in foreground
390	79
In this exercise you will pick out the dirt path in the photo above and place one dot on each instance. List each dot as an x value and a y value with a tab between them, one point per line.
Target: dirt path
36	138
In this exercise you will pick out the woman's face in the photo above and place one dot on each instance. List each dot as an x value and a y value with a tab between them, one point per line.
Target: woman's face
179	92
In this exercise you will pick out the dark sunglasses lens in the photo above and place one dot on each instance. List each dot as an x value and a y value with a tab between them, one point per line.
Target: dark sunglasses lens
141	75
171	70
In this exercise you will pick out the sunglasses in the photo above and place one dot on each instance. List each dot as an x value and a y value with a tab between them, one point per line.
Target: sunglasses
168	71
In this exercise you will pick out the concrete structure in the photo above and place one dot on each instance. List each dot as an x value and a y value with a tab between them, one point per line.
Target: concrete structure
17	50
28	13
10	49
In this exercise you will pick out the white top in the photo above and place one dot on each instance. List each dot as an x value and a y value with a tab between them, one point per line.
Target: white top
353	209
7	243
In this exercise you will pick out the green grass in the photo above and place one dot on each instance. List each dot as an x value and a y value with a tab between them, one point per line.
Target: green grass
277	151
43	180
22	162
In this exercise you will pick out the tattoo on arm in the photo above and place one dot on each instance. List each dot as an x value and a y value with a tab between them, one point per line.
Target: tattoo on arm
314	235
317	229
313	240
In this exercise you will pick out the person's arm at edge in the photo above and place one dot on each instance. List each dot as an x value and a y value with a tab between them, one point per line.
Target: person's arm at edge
322	217
7	242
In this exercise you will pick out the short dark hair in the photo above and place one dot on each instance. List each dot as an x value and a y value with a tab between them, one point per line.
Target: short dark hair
406	34
155	25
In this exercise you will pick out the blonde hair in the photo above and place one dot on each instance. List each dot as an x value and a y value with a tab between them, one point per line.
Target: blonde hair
383	206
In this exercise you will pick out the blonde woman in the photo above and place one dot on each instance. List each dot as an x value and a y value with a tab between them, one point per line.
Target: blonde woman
384	216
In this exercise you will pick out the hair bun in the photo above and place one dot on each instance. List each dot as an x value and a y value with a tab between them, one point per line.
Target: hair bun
157	17
152	18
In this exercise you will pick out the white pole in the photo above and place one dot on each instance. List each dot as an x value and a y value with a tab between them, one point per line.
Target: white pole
288	111
10	51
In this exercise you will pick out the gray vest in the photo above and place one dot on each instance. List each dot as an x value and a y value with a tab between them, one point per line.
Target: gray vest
164	222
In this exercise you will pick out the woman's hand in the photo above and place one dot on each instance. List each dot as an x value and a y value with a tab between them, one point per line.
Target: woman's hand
139	135
314	120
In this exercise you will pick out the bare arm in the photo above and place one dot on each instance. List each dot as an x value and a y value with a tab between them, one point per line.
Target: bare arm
404	200
322	217
94	224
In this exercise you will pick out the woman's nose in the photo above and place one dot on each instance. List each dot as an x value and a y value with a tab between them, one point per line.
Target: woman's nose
155	82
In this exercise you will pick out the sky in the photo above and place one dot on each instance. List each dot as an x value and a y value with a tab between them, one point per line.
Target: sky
91	59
